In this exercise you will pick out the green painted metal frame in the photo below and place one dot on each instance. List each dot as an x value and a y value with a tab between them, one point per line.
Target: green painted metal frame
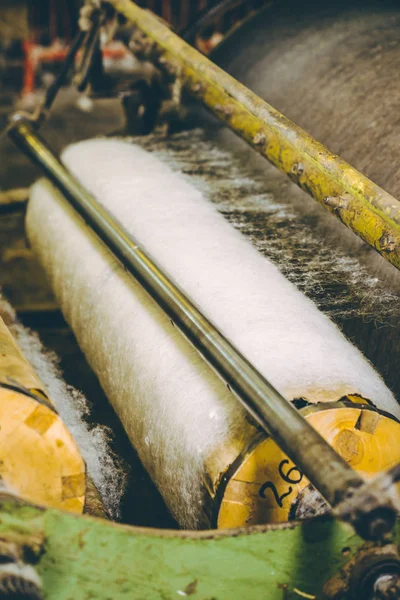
81	557
364	207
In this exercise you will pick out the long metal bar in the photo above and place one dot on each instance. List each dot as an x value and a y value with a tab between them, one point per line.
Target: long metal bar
45	105
81	79
365	208
328	472
207	15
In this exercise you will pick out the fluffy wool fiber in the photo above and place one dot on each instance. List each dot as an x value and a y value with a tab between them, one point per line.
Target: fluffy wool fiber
174	408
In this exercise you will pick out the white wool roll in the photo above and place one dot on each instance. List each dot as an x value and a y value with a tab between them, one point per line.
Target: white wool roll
175	410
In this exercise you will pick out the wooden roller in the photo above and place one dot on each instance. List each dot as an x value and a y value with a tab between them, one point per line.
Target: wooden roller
39	460
210	460
261	484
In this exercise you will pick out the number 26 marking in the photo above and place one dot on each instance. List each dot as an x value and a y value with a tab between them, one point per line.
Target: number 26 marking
288	477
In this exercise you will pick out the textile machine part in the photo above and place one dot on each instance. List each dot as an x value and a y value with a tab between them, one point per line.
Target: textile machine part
373	514
248	493
291	440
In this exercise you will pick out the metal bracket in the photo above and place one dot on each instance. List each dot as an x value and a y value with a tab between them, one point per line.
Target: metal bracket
80	557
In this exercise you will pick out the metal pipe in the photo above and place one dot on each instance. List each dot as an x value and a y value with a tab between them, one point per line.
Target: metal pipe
206	16
361	205
92	44
45	105
328	472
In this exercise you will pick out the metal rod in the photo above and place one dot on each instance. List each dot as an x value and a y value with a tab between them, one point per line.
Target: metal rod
92	45
207	15
47	102
328	472
361	205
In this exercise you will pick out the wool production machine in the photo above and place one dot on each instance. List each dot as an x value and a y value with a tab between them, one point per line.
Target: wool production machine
254	372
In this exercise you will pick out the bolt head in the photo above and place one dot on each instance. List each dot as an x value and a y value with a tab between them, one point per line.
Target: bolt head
387	587
387	243
298	169
259	138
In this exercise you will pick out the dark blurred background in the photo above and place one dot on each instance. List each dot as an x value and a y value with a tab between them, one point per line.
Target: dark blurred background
35	34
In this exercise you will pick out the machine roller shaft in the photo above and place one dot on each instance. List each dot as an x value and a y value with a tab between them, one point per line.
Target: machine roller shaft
328	472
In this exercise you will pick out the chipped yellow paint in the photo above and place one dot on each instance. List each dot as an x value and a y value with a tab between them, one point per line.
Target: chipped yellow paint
361	205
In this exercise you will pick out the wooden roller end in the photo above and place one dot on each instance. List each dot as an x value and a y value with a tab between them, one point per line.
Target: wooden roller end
263	485
39	459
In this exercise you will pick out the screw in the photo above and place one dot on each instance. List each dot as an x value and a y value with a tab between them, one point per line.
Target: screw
387	243
17	579
387	587
378	528
375	524
259	139
335	202
298	169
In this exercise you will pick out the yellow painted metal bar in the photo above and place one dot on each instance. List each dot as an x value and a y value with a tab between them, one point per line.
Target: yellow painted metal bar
364	207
